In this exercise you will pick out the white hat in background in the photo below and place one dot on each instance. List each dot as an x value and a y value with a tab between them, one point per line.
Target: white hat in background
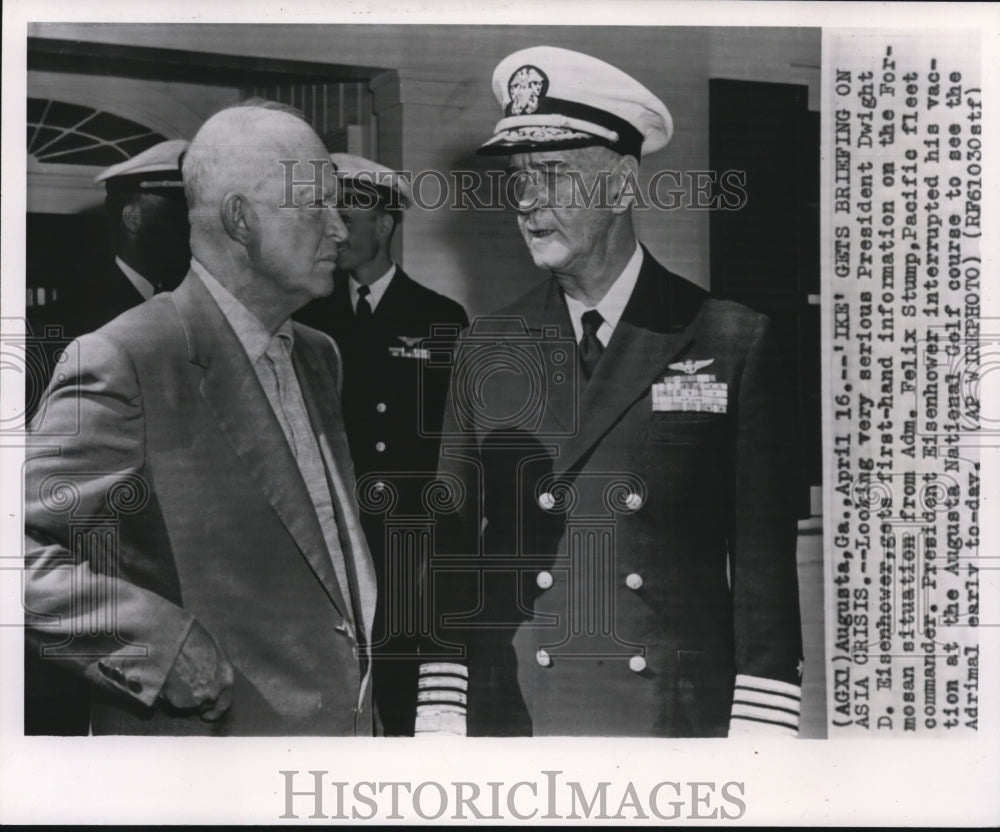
363	176
156	169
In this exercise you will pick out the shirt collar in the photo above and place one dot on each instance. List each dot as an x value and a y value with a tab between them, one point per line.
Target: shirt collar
252	334
377	289
142	285
613	304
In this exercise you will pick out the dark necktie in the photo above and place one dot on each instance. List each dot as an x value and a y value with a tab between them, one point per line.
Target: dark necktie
590	346
363	311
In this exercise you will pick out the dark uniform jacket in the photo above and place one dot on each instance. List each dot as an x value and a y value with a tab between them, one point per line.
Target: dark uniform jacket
104	303
637	561
393	403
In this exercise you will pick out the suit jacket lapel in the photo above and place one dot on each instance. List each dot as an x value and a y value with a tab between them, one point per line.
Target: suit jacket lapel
545	314
320	393
561	399
394	300
232	392
655	329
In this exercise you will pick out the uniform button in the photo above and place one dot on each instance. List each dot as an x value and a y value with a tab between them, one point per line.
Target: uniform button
634	501
380	446
543	657
118	676
633	581
544	579
380	407
637	663
380	486
134	685
546	500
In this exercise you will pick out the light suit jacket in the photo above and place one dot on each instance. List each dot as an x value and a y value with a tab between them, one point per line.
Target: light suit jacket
160	489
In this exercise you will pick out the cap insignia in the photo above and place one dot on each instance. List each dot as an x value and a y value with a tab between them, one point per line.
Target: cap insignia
527	86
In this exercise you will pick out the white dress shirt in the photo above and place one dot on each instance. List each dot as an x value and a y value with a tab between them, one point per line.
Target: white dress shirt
376	289
612	305
142	286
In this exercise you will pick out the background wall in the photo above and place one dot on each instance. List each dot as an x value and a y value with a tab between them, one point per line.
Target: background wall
435	106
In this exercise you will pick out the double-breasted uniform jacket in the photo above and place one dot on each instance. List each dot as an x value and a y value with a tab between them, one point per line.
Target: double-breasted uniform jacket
634	557
159	490
393	403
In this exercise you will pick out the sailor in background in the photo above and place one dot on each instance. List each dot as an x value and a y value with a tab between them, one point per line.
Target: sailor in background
149	233
645	490
383	321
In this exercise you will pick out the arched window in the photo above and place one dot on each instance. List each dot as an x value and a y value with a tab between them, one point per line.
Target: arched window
73	134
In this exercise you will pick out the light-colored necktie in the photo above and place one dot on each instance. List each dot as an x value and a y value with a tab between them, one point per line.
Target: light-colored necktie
294	419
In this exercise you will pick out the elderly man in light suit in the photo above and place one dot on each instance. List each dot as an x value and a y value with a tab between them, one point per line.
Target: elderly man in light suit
193	546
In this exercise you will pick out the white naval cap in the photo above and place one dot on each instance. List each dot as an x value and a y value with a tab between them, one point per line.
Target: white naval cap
557	98
156	169
365	176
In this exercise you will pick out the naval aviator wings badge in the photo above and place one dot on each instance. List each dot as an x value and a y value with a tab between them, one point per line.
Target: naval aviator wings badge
692	391
690	367
410	348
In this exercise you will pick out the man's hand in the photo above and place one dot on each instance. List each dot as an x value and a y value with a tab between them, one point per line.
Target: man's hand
201	678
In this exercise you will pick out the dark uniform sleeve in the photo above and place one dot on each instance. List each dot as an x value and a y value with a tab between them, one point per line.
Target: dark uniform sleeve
762	549
443	682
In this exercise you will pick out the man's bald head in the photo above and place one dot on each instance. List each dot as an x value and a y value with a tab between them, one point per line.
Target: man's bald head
241	149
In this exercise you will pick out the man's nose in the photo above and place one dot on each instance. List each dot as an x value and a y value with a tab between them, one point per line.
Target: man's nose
526	192
335	225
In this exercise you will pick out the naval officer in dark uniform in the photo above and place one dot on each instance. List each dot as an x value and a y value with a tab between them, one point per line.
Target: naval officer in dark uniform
387	326
148	230
623	458
148	224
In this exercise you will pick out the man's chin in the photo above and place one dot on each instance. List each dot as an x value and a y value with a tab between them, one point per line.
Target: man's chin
546	258
323	285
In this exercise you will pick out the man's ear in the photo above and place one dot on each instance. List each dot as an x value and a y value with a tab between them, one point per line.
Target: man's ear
385	226
132	217
624	184
238	217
